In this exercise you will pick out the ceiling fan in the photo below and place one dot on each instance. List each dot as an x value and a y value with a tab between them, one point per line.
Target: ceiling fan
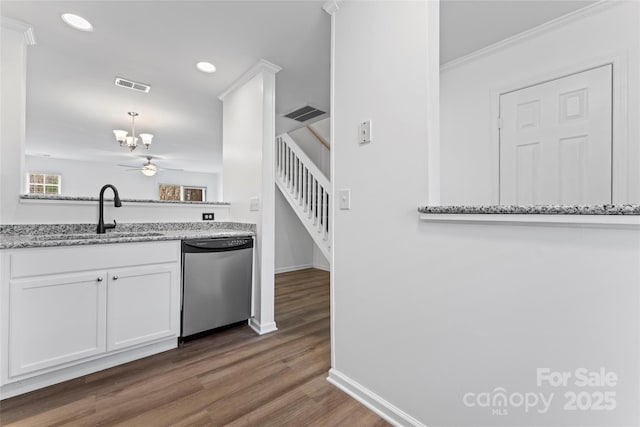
148	168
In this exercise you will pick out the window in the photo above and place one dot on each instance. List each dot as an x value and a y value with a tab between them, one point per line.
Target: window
169	192
193	194
43	183
182	193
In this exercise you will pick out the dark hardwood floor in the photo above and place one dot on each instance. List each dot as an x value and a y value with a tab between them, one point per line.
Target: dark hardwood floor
231	378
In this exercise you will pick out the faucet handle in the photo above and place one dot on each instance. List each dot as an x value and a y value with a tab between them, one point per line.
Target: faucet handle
109	226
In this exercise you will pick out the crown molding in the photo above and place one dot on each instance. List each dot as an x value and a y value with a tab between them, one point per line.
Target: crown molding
19	26
330	7
262	66
533	32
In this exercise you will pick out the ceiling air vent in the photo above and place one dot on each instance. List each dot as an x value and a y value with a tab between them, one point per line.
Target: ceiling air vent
305	113
130	84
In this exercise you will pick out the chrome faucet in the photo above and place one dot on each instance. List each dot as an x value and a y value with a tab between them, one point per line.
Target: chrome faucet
116	202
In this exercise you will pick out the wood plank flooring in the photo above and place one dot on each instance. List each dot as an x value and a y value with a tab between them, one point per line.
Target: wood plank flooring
232	378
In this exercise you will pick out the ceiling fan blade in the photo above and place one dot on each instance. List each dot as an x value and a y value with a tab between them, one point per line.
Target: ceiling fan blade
171	169
130	166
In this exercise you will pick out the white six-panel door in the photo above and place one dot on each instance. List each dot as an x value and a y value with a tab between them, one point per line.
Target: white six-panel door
555	141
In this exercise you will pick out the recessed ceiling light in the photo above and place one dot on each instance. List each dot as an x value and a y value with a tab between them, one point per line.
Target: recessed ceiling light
77	22
206	67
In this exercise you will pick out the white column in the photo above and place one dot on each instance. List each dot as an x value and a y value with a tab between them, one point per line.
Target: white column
248	151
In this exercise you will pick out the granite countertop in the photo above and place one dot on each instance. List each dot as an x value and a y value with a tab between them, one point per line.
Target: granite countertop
624	209
52	235
96	199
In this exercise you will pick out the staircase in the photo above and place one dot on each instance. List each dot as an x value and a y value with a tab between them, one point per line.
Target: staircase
306	189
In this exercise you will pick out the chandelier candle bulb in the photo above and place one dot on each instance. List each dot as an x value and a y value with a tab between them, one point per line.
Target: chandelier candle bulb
146	139
121	136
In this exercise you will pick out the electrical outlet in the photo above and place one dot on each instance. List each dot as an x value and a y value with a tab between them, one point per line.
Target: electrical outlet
207	216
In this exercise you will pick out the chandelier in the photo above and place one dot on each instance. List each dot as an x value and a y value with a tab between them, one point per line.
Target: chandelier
132	141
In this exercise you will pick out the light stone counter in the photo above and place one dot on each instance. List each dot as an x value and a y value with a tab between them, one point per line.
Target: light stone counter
51	235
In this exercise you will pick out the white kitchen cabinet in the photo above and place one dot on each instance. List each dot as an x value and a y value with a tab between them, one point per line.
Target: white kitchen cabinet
56	320
139	305
68	311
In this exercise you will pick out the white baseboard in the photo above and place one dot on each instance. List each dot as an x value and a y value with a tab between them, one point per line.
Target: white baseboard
322	267
261	329
293	268
377	404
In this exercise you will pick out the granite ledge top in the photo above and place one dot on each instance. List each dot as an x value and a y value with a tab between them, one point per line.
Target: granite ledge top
17	236
622	209
96	199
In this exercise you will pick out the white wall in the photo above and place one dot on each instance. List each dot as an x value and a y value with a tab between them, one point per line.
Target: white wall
294	246
248	136
317	152
468	144
319	261
81	178
426	312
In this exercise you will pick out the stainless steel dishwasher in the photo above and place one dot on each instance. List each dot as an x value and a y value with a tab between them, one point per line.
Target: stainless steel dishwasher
216	283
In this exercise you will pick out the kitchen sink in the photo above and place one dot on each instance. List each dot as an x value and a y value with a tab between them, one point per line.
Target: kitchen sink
90	236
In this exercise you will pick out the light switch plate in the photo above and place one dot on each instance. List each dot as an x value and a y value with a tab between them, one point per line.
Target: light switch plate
254	204
365	132
345	199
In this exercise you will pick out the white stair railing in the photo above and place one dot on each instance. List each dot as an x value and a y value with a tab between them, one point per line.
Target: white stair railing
306	189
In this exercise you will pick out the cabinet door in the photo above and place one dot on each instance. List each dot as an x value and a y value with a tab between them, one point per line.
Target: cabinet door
143	305
55	320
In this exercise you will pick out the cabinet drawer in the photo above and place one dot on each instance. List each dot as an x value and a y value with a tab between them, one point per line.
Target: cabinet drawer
55	260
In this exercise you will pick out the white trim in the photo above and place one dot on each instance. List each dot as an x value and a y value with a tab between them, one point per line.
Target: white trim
599	220
619	125
101	362
330	6
293	268
377	404
433	103
15	25
535	31
332	180
262	65
262	329
321	267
